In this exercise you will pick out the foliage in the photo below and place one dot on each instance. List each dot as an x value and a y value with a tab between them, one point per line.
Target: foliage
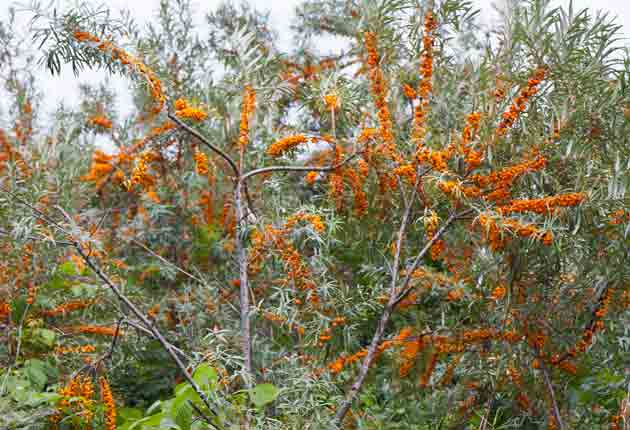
428	230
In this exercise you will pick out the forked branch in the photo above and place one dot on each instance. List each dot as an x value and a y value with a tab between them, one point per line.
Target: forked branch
394	299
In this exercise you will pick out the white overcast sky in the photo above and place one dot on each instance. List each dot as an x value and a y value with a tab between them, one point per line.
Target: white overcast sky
64	88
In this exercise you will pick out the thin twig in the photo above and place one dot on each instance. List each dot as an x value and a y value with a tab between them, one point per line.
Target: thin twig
164	260
206	142
406	288
124	299
298	168
154	331
394	299
39	238
552	395
205	417
380	329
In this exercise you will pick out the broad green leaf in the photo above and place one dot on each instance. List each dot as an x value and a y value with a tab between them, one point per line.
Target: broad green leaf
183	416
206	376
69	268
130	414
35	372
263	394
44	336
148	422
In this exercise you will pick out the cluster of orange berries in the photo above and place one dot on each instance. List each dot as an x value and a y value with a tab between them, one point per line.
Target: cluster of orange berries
409	352
8	153
505	177
498	293
77	399
407	171
184	110
356	178
100	169
297	272
543	206
247	110
279	319
425	87
118	54
5	310
493	231
100	121
285	144
437	159
206	203
457	190
331	101
314	220
379	94
471	156
409	92
103	164
306	72
326	336
426	63
367	134
596	324
431	225
84	349
619	217
91	329
337	366
336	187
140	174
201	162
520	103
110	405
66	308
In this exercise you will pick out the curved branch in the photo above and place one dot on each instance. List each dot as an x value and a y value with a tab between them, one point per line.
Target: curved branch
206	142
262	170
145	321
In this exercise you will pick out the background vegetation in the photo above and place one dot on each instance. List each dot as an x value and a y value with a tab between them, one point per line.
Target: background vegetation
430	230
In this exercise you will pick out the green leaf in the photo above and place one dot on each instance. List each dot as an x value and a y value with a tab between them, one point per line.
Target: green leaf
55	283
44	336
37	399
263	394
130	414
18	307
69	268
206	376
183	416
152	421
36	373
154	407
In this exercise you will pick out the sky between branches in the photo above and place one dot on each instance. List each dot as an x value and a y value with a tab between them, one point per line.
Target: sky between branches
64	88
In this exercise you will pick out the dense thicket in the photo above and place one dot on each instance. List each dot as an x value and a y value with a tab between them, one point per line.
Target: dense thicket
427	230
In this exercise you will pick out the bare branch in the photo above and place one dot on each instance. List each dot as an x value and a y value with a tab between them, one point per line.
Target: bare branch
40	239
165	261
405	289
141	316
206	142
552	395
394	299
298	168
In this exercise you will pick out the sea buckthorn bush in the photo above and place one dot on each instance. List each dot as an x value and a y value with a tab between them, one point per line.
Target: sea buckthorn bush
428	229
